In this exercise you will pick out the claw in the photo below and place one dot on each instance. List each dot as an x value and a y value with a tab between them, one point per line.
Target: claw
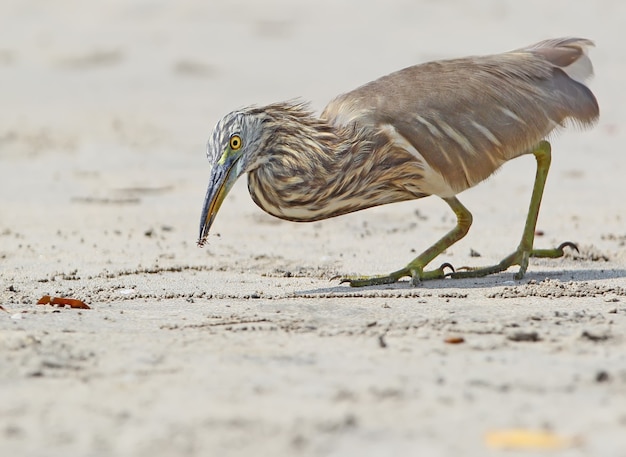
448	275
447	265
568	244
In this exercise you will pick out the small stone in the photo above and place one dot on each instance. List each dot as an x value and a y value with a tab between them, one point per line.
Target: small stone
602	376
594	336
524	336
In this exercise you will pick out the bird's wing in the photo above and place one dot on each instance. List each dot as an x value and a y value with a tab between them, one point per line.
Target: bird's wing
466	117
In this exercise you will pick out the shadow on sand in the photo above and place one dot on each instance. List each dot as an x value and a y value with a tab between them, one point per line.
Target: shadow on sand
504	279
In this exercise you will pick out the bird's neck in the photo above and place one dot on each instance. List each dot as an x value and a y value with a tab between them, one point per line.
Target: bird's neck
313	170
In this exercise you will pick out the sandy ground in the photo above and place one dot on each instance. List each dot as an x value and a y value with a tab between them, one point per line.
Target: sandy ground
247	347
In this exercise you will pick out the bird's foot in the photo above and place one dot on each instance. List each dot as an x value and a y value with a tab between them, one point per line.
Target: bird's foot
554	253
416	273
519	257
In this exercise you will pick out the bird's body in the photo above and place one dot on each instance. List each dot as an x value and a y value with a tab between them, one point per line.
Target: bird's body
433	129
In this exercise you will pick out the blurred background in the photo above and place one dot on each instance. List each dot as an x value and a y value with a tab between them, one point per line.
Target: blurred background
176	67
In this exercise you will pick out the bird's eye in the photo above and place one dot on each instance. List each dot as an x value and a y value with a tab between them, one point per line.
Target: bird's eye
235	142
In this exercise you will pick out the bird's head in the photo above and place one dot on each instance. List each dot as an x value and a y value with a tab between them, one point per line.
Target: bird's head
253	137
231	150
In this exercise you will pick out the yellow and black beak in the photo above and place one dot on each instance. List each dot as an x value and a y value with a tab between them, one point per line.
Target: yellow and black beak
223	176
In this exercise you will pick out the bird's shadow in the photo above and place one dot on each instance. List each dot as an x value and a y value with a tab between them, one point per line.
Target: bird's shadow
496	280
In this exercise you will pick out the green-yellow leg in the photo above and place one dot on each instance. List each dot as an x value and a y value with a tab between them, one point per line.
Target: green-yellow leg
525	249
415	269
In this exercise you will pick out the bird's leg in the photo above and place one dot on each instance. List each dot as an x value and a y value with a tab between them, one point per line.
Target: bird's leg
415	269
525	249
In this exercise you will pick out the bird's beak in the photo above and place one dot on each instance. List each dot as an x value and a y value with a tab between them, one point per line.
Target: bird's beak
222	180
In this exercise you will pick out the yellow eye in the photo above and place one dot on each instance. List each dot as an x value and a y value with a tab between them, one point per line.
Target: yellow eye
235	142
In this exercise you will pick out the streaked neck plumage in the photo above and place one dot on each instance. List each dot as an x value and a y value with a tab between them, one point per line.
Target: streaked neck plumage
310	169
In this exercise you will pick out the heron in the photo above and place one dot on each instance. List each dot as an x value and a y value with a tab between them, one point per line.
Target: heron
436	128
